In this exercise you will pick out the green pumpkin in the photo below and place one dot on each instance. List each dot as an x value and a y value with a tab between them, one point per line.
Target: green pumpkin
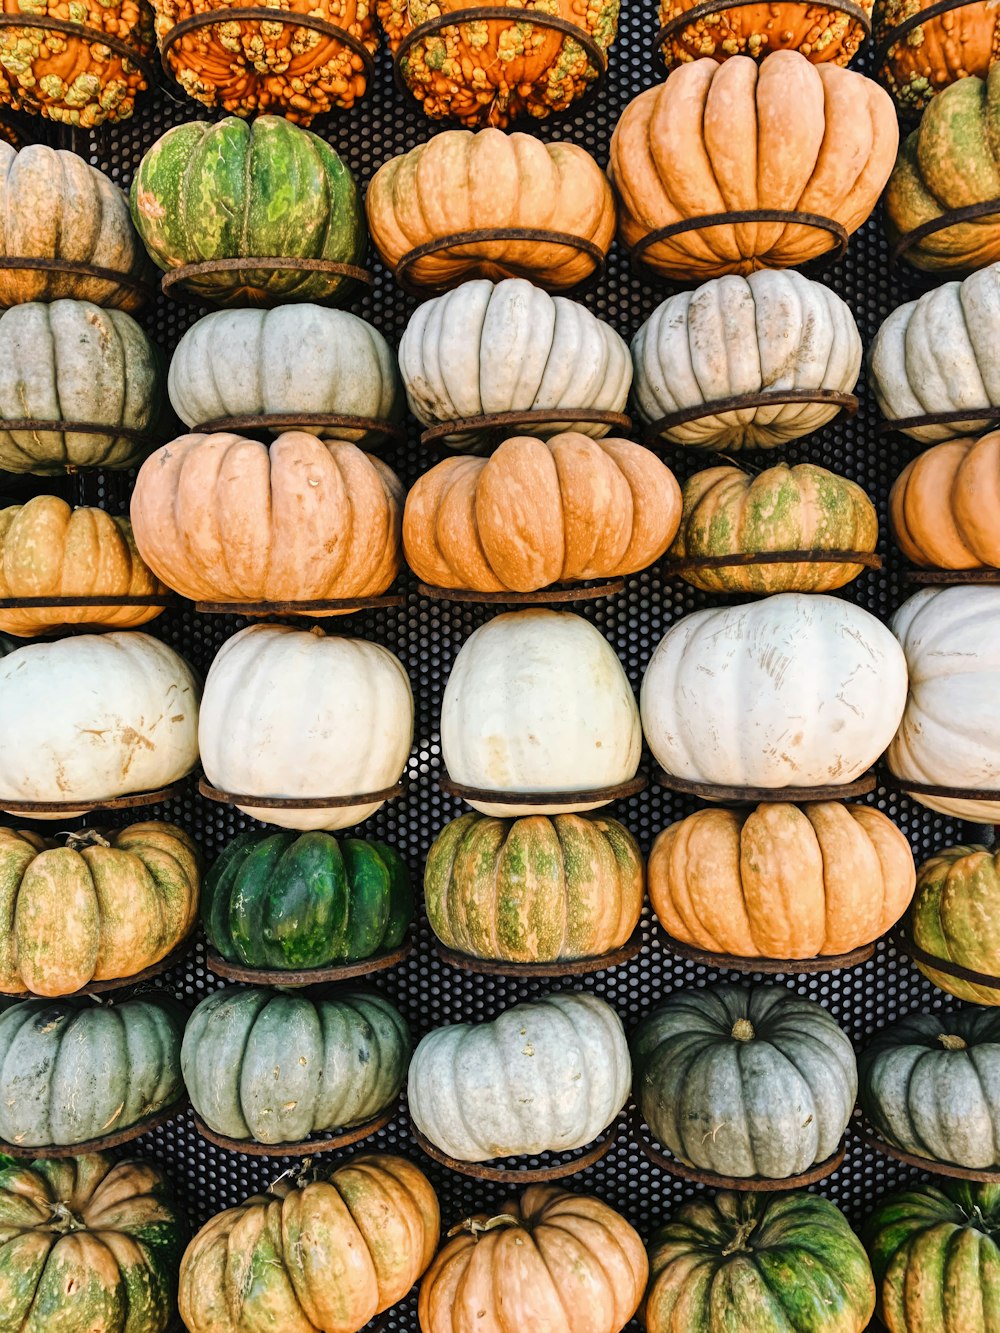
267	189
954	916
759	1263
289	900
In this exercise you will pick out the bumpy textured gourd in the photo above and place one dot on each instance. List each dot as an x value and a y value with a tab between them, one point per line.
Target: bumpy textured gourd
952	918
819	33
934	53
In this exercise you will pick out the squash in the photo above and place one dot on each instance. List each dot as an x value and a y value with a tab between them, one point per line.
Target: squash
224	518
371	1225
549	1260
955	916
729	512
781	881
329	717
818	139
538	701
460	181
819	33
90	1243
772	331
298	358
938	51
207	191
276	1066
759	1263
798	690
289	901
75	1070
944	506
10	131
94	717
540	512
510	347
100	907
545	1076
534	890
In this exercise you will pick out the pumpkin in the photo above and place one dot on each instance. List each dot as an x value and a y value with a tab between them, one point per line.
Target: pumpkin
329	717
301	358
819	33
760	1263
276	1066
949	734
510	347
533	890
75	1070
548	1075
549	1260
954	917
786	135
728	512
230	190
944	506
221	517
329	1249
93	717
941	49
537	701
287	900
798	690
89	1243
781	881
9	130
772	331
100	907
460	181
540	512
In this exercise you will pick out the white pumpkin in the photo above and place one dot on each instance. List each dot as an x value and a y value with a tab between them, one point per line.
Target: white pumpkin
486	348
93	717
798	690
769	331
950	732
292	712
545	1076
538	701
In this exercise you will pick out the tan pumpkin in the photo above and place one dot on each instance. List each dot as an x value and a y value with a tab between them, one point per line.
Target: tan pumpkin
219	517
540	512
938	51
819	33
944	507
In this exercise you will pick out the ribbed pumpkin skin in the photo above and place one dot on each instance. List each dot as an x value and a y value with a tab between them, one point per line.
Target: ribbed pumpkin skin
935	54
277	1066
944	506
744	1081
533	890
952	918
286	900
550	1260
759	1263
329	1253
88	1243
818	33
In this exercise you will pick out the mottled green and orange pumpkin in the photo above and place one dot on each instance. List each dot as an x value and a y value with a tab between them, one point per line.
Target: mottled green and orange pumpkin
955	916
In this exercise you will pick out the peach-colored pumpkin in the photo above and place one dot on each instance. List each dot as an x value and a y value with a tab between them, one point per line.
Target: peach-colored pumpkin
944	506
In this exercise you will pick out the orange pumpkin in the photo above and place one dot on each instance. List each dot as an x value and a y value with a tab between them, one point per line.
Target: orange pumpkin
937	51
817	32
944	507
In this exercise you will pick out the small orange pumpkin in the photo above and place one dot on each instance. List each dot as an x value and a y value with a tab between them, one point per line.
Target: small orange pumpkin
944	507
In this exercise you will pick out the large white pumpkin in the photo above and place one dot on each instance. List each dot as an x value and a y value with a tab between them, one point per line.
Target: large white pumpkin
537	701
292	712
93	717
798	690
950	732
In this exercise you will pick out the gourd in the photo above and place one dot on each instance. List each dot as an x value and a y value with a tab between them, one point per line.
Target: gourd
72	361
276	1066
539	512
537	701
99	907
510	347
729	512
781	881
784	135
460	181
771	331
85	1236
221	517
534	890
819	33
760	1263
287	900
550	1259
206	191
954	917
941	49
297	358
944	506
545	1076
329	717
372	1223
798	690
73	1070
93	717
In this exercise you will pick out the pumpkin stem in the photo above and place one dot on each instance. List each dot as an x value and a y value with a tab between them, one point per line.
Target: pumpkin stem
86	837
64	1220
952	1042
475	1227
738	1244
743	1030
